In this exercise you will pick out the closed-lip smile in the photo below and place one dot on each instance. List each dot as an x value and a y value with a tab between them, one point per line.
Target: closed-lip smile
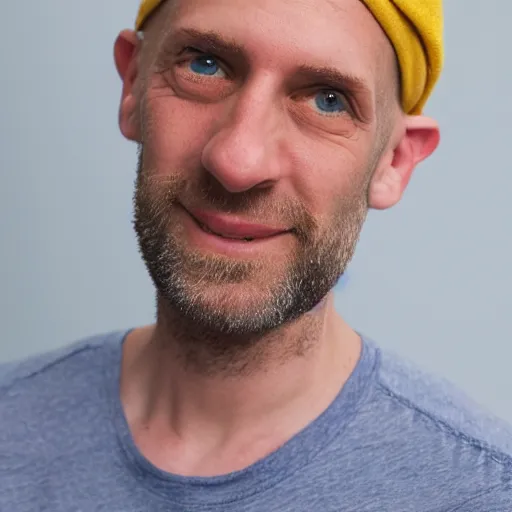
230	226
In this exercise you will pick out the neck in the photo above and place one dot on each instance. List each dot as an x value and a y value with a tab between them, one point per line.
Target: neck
198	391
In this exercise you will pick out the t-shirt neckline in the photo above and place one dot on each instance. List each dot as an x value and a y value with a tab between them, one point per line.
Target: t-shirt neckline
263	474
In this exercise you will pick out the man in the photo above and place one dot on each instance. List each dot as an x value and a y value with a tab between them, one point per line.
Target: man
266	132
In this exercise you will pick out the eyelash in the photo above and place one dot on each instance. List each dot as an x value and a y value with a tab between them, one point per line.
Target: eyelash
192	52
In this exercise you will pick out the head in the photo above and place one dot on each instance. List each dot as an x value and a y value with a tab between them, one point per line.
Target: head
282	118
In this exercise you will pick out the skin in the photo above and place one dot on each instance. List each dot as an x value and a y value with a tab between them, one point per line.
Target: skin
202	399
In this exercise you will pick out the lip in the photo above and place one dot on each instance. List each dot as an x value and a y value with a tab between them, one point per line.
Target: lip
230	226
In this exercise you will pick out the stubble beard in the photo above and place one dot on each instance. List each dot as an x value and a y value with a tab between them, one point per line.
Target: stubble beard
246	305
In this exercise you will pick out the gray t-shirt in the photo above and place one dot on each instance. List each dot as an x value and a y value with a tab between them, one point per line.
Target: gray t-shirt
394	440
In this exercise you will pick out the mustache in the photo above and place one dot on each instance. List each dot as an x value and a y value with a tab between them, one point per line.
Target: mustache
258	204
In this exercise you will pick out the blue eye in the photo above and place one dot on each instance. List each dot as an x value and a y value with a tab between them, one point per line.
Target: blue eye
330	102
206	65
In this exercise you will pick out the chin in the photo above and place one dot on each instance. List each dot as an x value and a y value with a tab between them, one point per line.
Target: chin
243	308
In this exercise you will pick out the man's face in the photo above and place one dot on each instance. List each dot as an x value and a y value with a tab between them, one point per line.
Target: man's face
258	139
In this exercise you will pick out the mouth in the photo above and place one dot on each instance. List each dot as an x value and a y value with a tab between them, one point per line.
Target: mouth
206	229
233	236
233	228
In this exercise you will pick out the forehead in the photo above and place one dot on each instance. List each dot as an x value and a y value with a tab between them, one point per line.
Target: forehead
283	34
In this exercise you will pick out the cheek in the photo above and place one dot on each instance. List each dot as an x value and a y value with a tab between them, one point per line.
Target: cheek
330	173
175	133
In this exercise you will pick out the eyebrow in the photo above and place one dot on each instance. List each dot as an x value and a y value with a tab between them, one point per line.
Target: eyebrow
335	78
209	40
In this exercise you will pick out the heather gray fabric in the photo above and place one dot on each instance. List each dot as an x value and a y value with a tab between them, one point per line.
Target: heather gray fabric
395	439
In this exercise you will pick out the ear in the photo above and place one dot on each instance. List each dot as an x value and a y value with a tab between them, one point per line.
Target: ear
126	49
418	141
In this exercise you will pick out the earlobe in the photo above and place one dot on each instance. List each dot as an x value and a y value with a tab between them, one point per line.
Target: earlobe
419	140
125	57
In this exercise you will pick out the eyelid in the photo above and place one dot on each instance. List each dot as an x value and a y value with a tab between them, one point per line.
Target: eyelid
311	92
191	51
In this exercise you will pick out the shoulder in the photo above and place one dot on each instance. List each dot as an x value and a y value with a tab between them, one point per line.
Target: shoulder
49	402
443	405
428	442
22	375
436	436
39	391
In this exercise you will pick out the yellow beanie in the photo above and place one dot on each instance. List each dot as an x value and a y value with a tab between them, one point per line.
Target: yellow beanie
415	29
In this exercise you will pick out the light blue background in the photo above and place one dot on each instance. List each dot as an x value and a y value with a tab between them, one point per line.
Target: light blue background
431	278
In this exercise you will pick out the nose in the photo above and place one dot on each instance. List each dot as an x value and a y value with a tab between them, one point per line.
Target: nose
244	150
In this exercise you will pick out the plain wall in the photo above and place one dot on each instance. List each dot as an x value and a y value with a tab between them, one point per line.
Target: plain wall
431	278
